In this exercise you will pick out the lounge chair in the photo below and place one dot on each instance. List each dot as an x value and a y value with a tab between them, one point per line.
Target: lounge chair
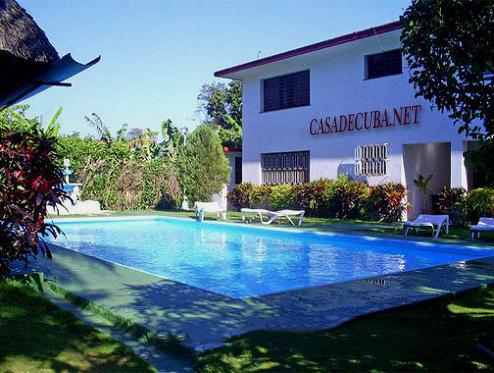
484	225
271	216
202	208
436	222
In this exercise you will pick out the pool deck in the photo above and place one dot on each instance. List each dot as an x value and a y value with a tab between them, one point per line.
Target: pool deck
204	320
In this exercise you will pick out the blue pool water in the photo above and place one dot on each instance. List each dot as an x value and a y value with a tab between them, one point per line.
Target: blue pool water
240	261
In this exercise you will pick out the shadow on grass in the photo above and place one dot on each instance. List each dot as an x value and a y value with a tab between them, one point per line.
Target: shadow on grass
37	335
438	335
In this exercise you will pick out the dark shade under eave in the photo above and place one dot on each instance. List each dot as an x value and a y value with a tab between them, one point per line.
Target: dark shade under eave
21	79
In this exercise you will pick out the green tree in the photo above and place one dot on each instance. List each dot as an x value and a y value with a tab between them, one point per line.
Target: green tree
203	167
449	47
221	106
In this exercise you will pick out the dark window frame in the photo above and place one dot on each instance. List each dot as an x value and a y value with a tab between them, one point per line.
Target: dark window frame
384	67
285	167
286	91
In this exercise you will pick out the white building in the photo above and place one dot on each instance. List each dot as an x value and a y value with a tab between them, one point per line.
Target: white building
345	105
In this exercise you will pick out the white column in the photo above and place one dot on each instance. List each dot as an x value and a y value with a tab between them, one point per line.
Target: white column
458	169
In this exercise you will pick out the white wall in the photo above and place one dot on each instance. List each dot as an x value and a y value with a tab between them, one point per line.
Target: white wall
338	87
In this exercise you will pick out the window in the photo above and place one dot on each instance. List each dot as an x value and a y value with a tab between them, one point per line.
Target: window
285	168
370	160
383	64
286	91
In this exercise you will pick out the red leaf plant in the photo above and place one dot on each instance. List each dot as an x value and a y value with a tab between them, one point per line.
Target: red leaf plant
31	179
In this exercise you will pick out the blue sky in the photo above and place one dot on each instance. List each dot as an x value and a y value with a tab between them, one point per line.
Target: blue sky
155	55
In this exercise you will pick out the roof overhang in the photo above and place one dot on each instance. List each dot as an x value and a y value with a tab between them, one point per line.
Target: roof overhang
22	78
373	31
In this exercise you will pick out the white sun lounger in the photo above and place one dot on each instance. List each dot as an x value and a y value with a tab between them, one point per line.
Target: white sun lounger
271	216
435	222
201	208
484	225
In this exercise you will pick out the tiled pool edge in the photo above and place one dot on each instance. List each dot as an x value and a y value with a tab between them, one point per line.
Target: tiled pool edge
205	320
330	230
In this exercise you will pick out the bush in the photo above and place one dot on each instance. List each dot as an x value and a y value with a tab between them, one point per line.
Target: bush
261	197
478	203
78	150
241	196
342	198
302	196
203	168
131	185
318	204
31	179
281	197
345	198
449	201
386	202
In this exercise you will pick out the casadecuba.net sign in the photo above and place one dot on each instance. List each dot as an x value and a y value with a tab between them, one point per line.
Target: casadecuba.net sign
367	120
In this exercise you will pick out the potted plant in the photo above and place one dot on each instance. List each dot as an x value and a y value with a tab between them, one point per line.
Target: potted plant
422	183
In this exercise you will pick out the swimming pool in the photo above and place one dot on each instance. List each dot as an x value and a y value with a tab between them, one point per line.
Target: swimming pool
241	261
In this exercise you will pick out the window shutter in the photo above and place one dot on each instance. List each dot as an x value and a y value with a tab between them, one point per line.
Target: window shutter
287	91
384	64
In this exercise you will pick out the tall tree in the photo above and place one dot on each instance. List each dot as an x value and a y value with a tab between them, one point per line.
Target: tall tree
221	104
203	167
449	47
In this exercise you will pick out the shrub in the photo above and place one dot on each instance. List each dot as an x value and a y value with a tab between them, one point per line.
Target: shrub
79	150
241	196
31	179
342	198
302	196
345	198
317	204
131	185
386	202
261	197
478	203
449	202
281	197
203	168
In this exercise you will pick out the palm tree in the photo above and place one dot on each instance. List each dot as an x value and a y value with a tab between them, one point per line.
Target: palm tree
97	123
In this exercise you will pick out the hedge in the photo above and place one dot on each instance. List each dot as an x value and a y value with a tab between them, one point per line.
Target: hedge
342	198
131	185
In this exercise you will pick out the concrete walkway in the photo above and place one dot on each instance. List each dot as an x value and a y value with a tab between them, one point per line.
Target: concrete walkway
203	320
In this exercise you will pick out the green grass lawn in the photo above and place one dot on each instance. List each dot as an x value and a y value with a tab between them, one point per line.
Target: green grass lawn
439	335
37	336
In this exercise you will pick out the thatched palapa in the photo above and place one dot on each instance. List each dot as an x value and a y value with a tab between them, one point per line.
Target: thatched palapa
21	36
28	62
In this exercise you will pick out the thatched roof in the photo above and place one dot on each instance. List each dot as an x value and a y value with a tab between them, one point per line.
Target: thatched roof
29	64
21	36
